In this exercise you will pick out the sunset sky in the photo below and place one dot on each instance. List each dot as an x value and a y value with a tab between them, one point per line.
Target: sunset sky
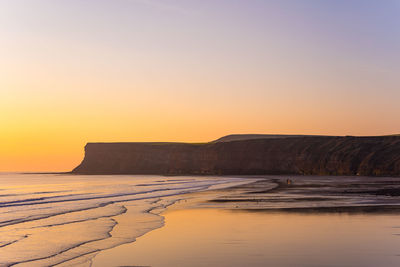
78	71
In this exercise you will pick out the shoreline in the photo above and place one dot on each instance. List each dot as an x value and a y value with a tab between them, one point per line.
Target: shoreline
205	201
150	200
84	214
201	236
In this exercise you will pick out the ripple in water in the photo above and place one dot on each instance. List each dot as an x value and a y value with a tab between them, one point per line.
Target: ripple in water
53	219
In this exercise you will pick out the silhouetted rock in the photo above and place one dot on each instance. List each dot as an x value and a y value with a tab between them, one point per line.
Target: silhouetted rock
314	155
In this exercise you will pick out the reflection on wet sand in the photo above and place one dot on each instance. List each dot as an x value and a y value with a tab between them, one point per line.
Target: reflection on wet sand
82	220
215	237
309	221
64	220
314	193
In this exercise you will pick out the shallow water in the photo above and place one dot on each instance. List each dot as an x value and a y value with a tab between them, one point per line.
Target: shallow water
75	220
314	221
48	219
217	237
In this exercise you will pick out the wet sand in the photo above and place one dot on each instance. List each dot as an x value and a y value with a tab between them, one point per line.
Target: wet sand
65	220
214	237
314	193
314	221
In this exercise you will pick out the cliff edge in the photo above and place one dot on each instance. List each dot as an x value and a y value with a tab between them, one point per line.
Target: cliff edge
311	155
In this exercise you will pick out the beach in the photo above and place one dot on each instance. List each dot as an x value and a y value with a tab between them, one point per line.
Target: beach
57	219
172	133
214	237
128	220
335	230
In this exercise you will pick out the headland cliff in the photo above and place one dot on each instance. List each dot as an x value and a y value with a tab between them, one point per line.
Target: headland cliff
249	155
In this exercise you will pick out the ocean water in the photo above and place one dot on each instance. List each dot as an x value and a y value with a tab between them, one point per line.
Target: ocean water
235	238
53	219
271	224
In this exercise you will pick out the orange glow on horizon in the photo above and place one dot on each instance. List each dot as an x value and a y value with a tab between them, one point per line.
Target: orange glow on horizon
132	71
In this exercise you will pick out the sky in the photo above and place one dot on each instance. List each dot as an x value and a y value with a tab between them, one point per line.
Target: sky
78	71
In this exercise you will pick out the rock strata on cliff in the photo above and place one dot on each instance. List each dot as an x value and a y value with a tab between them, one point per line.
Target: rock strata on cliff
313	155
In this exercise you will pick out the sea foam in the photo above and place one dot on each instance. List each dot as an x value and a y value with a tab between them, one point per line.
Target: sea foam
50	219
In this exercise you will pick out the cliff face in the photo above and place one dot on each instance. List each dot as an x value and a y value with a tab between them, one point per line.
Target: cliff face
314	155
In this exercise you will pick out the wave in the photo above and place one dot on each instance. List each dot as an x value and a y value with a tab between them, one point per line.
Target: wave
51	219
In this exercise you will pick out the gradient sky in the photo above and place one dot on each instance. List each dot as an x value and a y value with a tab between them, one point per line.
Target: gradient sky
77	71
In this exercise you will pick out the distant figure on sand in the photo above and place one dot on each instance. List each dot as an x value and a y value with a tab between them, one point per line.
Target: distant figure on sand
288	181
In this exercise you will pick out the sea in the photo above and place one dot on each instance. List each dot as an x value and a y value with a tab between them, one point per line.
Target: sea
148	220
63	220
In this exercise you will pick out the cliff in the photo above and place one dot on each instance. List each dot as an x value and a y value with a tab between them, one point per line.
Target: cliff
241	137
313	155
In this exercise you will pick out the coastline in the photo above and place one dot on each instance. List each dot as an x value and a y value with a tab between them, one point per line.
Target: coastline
122	208
284	155
214	237
58	219
260	204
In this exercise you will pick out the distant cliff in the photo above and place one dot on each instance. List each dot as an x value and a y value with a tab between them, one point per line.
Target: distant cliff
313	155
